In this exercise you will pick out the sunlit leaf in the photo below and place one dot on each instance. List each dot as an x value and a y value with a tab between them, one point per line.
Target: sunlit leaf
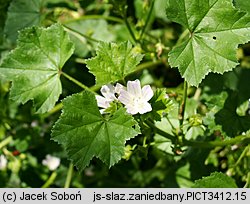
216	28
3	14
215	180
113	62
22	14
85	133
96	29
34	66
232	123
242	4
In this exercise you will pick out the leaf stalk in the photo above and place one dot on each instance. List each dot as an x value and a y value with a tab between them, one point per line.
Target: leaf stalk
69	176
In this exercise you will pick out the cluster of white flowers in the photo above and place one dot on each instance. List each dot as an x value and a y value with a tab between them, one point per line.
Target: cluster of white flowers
3	162
51	162
133	97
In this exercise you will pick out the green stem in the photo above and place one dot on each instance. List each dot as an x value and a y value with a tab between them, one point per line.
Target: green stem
212	144
146	65
5	142
80	60
59	106
182	37
50	180
95	88
73	31
205	144
69	176
159	131
129	27
147	20
242	155
56	108
9	154
171	124
183	105
87	17
77	82
247	185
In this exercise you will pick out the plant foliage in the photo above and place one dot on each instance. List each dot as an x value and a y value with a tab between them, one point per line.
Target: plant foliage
144	93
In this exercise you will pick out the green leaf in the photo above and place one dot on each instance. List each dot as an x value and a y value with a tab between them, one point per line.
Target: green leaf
215	180
34	66
242	4
224	107
113	62
231	122
163	144
85	133
216	29
160	7
183	176
96	29
22	14
118	6
161	104
3	14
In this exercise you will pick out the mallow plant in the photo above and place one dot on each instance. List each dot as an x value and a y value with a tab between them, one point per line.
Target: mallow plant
133	115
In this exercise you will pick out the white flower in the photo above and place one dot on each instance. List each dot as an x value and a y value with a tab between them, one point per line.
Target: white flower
136	98
109	92
51	162
3	162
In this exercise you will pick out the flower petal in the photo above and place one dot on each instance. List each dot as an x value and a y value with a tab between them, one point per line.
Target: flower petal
102	111
131	109
102	102
108	91
144	108
147	93
125	97
134	88
118	88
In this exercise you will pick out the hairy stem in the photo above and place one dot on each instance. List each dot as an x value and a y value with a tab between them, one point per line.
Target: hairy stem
80	60
198	144
50	180
95	88
77	82
183	36
69	176
74	32
147	20
5	142
88	17
242	155
9	154
212	144
56	108
247	185
128	26
159	131
146	65
183	105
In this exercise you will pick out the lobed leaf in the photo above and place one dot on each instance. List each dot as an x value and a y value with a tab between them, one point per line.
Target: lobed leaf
22	14
232	123
3	15
215	180
85	133
242	4
113	62
216	29
34	66
96	29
